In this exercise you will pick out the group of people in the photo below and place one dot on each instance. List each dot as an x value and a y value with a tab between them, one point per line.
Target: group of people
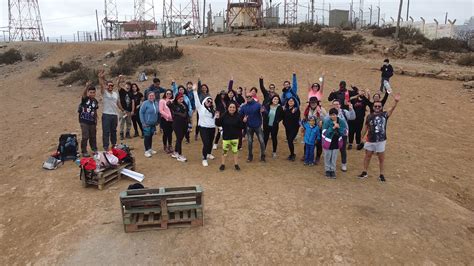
236	115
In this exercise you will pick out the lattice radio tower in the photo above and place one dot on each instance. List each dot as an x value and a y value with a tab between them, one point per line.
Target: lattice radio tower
144	14
110	21
179	18
24	21
291	12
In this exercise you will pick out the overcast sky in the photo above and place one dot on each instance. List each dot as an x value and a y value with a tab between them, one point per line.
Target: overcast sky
61	17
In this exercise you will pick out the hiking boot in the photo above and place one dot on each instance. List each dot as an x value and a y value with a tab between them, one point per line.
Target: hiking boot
363	175
349	147
328	174
344	167
127	135
222	167
382	178
237	167
262	159
121	135
360	146
333	174
204	163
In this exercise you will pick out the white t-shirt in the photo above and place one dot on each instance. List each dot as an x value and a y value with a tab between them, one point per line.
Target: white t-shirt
110	103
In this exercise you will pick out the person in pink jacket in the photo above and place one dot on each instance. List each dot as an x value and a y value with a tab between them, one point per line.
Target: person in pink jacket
166	121
316	89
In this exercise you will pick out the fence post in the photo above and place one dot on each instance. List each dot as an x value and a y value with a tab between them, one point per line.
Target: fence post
451	30
436	32
422	25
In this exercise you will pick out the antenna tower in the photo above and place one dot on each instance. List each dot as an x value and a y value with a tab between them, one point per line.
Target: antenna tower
291	12
24	21
144	14
110	21
179	18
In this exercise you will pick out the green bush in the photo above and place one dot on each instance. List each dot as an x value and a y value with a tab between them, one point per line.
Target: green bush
466	60
331	42
140	53
447	45
82	75
300	38
310	27
410	35
384	32
10	57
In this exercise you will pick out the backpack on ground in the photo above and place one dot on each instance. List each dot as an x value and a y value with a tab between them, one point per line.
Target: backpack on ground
68	147
51	163
88	164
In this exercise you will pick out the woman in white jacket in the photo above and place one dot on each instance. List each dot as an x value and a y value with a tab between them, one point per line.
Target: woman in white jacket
207	124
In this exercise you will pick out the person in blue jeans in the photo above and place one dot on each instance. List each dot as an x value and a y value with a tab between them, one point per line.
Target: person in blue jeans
252	115
311	137
149	116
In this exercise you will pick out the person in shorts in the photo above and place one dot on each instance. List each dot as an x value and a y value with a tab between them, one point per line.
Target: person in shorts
232	124
376	130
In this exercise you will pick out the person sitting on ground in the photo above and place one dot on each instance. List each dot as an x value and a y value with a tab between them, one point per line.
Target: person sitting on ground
232	125
88	119
376	130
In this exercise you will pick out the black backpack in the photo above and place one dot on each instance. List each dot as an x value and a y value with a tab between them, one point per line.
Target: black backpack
68	147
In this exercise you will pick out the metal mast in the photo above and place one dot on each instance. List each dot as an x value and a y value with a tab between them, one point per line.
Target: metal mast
110	21
291	12
144	14
24	21
178	19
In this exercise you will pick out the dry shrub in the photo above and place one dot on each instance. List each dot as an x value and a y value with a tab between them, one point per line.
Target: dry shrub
419	51
82	75
447	45
466	60
10	57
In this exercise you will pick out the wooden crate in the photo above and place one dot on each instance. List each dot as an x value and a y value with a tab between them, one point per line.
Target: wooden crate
162	208
104	178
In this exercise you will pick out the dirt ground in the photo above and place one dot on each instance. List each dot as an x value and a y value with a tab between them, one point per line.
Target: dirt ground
278	212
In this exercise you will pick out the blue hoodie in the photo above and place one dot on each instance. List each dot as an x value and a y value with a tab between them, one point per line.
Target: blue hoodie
252	110
291	93
311	134
149	113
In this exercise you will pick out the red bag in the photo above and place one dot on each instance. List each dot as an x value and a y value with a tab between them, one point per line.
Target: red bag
120	154
88	164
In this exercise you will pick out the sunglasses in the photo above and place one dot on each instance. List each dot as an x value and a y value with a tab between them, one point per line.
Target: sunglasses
377	106
110	85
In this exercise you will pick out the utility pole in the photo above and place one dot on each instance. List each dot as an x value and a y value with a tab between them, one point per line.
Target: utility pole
408	8
204	19
312	11
350	12
370	18
323	12
378	16
397	31
97	20
446	18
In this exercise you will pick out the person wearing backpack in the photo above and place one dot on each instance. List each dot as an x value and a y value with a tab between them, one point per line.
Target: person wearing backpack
88	119
149	116
110	113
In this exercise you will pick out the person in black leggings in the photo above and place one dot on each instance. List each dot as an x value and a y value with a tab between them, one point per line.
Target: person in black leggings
291	121
271	121
137	98
166	122
179	110
207	125
360	103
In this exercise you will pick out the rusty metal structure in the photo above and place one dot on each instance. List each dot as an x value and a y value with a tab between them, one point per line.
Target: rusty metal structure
110	21
179	19
24	21
144	15
247	14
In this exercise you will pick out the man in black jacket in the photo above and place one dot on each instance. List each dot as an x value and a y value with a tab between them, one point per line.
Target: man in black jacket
342	95
387	73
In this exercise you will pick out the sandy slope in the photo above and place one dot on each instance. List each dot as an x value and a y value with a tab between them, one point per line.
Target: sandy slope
278	212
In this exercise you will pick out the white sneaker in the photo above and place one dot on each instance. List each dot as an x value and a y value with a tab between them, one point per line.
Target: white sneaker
214	147
204	163
274	155
344	167
175	155
147	154
210	157
152	151
181	158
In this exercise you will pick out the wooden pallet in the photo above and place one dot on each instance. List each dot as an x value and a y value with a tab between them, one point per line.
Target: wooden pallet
104	178
145	209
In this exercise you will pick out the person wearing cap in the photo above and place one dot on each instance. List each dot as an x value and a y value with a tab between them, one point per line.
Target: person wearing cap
206	123
251	112
343	95
376	130
387	73
333	130
315	109
179	111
